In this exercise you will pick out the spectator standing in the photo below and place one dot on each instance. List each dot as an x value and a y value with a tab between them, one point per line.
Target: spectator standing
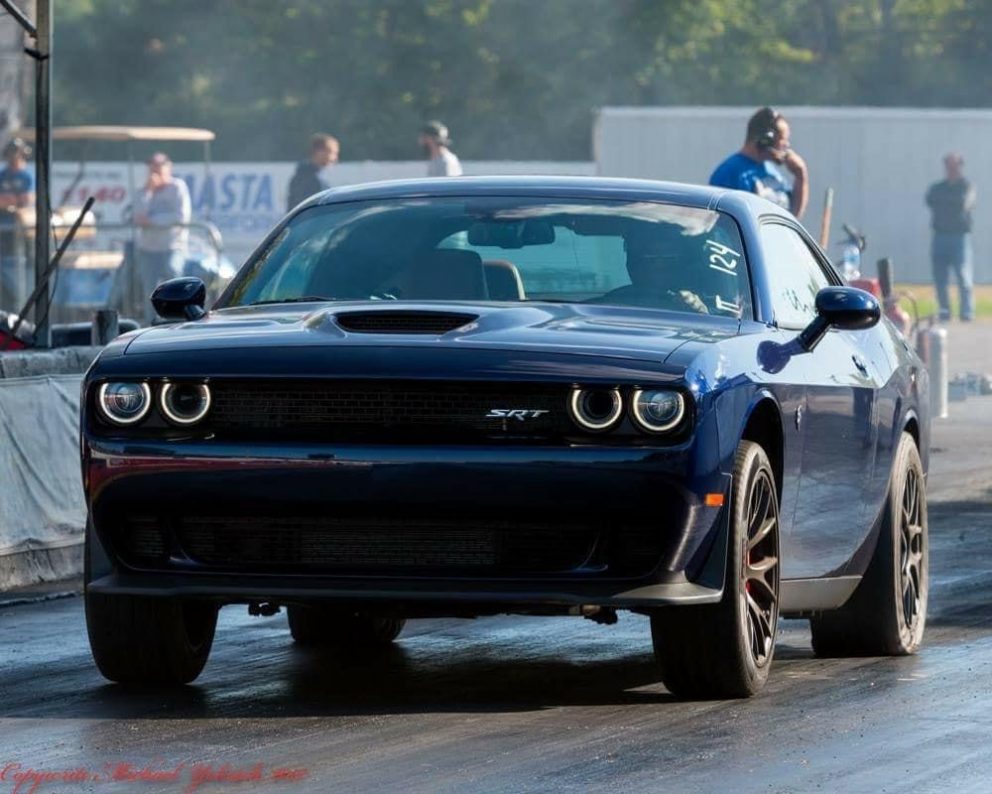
951	202
755	167
16	192
436	145
16	181
161	212
324	151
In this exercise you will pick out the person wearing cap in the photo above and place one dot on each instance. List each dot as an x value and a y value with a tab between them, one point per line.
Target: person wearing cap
16	182
324	151
161	212
436	145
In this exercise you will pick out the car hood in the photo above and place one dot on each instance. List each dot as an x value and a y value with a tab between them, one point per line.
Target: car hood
554	327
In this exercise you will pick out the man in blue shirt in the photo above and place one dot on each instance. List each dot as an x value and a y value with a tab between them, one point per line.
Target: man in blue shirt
755	167
16	192
16	182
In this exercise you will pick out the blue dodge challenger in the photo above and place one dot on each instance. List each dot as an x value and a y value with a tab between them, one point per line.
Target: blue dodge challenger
542	396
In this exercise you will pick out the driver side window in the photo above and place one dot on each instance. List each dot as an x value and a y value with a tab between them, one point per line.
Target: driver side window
794	275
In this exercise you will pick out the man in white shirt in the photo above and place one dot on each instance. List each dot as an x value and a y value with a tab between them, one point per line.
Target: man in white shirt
434	141
161	211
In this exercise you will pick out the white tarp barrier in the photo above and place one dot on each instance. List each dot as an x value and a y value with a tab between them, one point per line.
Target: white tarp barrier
42	509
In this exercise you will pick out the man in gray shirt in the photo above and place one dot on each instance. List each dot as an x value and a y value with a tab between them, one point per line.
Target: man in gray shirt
161	212
951	201
435	143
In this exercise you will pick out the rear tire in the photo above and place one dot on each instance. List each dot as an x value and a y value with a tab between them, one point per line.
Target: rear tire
887	614
724	650
327	627
153	641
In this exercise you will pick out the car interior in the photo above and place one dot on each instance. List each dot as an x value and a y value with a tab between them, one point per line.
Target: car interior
485	257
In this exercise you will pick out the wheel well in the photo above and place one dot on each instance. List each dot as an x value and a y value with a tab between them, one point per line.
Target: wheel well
913	428
764	427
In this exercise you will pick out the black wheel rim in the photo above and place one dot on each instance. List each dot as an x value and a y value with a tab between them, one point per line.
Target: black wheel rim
761	569
911	550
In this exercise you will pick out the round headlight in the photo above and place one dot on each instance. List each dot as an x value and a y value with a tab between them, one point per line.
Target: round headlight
124	403
657	410
184	403
596	409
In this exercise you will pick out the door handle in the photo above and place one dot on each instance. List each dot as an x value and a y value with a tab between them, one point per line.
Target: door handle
860	364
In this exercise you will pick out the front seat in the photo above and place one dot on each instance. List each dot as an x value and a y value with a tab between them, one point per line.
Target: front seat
446	274
504	281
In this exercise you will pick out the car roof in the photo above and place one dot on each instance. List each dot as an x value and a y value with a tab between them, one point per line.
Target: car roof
735	202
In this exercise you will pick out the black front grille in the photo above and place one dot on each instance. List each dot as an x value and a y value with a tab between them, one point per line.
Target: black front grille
381	543
402	322
390	410
391	544
144	540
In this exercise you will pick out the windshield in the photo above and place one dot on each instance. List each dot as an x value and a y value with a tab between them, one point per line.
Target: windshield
502	249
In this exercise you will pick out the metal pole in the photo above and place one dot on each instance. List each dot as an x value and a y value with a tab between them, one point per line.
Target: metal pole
938	372
106	327
20	18
828	213
132	302
885	278
42	165
206	178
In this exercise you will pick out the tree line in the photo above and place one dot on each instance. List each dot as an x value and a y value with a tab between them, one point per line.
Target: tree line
513	79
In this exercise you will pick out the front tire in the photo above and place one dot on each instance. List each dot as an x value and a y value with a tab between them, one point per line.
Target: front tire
151	641
327	627
887	614
724	650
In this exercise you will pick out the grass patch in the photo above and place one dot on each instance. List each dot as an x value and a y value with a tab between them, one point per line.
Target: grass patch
926	300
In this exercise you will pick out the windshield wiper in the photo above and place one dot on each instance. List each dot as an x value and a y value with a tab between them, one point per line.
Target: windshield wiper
304	299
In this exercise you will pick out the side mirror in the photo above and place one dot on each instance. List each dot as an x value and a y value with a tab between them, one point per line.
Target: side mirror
180	299
847	308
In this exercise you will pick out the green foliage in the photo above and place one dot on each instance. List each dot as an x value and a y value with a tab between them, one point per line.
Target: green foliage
513	79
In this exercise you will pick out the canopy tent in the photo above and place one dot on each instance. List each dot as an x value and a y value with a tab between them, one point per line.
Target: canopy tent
119	133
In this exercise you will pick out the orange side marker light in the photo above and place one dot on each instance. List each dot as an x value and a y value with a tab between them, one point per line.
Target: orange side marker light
714	500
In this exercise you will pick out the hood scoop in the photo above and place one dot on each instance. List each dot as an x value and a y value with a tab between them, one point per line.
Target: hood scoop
402	322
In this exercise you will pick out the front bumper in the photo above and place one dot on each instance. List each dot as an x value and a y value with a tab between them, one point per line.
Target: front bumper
660	490
474	596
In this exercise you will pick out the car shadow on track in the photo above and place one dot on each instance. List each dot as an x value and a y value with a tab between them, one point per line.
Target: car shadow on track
391	681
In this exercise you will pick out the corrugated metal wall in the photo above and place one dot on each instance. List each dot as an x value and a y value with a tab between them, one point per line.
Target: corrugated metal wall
879	162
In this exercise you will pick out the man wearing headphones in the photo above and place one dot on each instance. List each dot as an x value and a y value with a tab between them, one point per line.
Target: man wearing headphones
755	168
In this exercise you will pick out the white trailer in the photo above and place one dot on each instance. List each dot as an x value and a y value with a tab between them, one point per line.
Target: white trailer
879	161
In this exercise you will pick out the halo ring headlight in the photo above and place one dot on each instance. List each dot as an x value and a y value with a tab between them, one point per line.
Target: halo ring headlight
184	404
657	410
123	403
595	410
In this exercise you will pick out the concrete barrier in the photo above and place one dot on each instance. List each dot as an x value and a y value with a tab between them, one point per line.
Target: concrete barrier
61	361
42	510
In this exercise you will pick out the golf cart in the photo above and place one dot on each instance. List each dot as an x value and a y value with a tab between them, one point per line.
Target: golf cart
98	272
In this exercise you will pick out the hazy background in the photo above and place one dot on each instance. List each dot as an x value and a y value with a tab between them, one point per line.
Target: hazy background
514	79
